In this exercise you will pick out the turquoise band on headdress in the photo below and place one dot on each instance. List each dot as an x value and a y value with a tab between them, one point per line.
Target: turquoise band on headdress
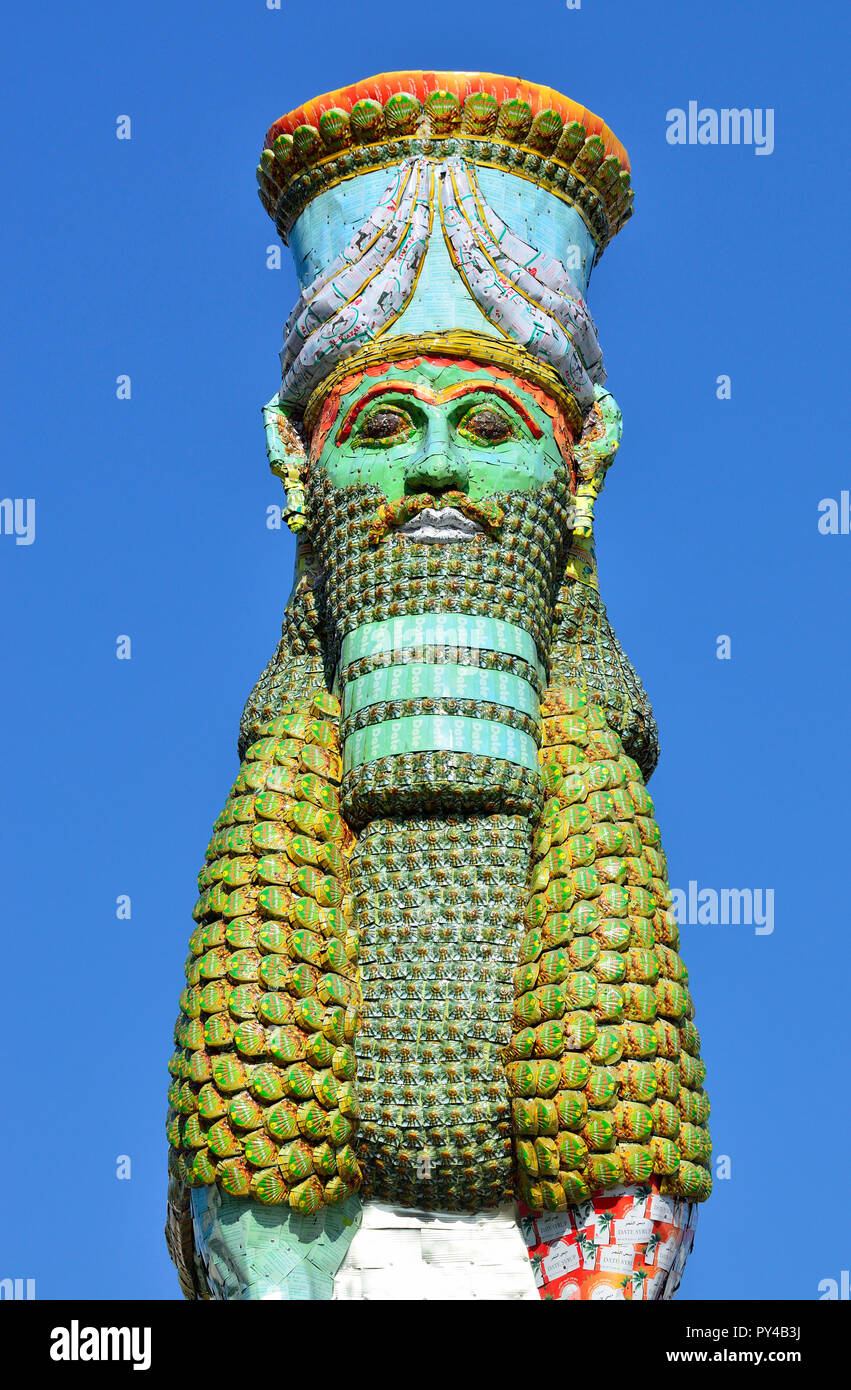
332	218
433	255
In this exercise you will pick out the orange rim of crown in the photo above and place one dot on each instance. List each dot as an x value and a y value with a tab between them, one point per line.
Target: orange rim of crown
461	85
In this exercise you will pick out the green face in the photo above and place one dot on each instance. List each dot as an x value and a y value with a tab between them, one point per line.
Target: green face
439	428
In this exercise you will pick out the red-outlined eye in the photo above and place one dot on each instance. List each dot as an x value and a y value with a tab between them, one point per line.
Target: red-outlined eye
487	424
384	425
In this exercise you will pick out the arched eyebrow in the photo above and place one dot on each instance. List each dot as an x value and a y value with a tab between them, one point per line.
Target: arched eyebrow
479	386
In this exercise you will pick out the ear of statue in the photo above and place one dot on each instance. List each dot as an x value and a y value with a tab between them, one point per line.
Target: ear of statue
595	452
288	461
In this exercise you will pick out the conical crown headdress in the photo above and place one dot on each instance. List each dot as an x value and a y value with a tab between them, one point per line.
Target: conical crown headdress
451	212
457	214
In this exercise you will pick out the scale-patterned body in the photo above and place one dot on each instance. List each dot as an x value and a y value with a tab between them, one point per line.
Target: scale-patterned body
602	1067
263	1098
604	1063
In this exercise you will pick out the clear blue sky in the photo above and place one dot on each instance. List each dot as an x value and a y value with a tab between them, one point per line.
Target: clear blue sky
148	257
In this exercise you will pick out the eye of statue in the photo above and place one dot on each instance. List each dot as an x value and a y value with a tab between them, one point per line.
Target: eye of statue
384	425
485	424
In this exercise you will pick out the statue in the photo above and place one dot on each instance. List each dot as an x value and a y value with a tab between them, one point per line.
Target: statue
436	1040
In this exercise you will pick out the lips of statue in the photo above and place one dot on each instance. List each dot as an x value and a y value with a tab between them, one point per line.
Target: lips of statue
435	525
436	428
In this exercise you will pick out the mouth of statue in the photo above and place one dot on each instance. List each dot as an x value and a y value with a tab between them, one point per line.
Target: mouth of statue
425	518
440	526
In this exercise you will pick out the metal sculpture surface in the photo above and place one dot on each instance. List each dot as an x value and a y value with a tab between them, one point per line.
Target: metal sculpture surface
434	1003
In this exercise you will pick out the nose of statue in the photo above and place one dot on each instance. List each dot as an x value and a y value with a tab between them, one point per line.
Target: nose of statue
436	470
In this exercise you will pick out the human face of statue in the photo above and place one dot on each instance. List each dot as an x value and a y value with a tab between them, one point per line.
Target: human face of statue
449	430
469	444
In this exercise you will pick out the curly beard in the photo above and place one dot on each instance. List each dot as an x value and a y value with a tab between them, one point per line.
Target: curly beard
440	871
510	572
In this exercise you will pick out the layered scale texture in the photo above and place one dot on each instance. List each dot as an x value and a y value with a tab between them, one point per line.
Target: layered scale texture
263	1097
604	1063
517	1011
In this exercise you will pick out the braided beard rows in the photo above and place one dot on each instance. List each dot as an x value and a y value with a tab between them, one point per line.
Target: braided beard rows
513	576
440	871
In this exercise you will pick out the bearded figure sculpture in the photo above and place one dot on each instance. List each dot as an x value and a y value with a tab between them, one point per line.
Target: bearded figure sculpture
436	1040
